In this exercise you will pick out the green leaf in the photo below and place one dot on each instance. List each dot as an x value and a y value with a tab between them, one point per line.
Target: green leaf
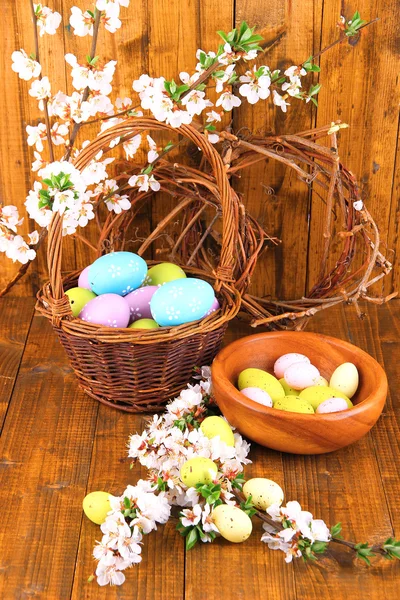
364	552
336	530
127	502
223	35
209	127
391	548
147	171
319	547
192	539
91	13
32	56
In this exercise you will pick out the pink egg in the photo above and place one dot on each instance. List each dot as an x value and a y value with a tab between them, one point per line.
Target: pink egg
332	405
83	280
139	303
257	395
301	375
215	306
110	310
287	360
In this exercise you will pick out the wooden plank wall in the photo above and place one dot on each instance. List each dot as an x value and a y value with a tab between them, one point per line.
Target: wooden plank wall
360	86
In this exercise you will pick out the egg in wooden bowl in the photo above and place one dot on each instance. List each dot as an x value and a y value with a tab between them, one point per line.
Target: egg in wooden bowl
295	432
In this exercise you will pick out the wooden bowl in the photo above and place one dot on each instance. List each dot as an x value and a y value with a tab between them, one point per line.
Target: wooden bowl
295	432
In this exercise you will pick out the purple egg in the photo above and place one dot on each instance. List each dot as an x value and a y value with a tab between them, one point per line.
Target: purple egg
110	310
215	306
83	280
139	303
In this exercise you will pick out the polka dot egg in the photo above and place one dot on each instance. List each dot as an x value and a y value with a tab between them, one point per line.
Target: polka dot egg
108	309
181	301
139	302
117	273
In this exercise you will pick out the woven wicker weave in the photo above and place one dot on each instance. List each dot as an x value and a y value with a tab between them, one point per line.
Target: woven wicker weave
137	370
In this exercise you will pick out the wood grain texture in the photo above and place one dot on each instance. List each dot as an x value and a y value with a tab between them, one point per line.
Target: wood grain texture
14	328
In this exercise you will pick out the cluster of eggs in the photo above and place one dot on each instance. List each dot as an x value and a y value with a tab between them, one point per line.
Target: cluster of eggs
118	290
299	387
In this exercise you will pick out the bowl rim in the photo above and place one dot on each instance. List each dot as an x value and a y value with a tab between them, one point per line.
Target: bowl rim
217	371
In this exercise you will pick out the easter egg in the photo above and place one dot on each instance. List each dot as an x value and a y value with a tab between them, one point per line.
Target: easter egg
144	324
213	426
294	404
285	361
289	391
214	306
117	273
264	492
258	395
316	394
83	281
301	375
345	378
332	405
164	272
233	524
139	302
78	298
110	310
261	379
181	301
322	381
96	505
198	470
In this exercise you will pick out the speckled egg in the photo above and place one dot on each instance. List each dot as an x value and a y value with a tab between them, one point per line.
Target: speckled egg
289	391
164	272
301	375
261	379
316	394
345	378
144	324
294	404
322	381
139	302
110	310
332	405
78	298
285	361
117	273
96	505
83	281
181	301
217	426
264	492
258	395
233	524
198	470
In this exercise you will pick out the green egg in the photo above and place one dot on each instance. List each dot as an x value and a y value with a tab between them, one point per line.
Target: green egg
261	379
294	404
316	394
213	426
78	298
162	273
198	470
144	324
289	391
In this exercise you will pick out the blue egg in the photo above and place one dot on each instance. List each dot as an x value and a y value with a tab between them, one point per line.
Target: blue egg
181	301
117	273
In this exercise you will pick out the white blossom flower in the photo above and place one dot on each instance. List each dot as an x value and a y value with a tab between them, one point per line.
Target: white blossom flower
58	133
33	238
358	205
40	89
9	217
279	100
102	4
152	154
255	86
228	101
131	146
63	166
229	55
79	73
188	79
191	516
84	214
294	73
107	572
63	200
100	80
25	66
36	135
195	102
18	250
81	22
38	163
110	17
100	103
42	216
118	203
221	80
123	103
47	20
207	521
214	116
319	531
144	182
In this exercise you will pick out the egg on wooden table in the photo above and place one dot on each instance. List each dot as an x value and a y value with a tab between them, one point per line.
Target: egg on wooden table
110	310
232	523
301	375
117	273
261	379
332	405
264	492
316	394
78	298
294	404
181	301
83	281
96	505
164	272
198	470
286	360
139	302
345	378
258	395
213	426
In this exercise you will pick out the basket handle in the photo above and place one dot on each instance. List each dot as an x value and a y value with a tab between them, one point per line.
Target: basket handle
127	130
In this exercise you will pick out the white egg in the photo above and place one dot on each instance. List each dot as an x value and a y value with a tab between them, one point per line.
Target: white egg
301	375
345	379
258	395
332	405
285	361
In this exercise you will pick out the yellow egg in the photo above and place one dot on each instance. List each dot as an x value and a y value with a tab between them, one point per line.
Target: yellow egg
96	505
261	379
233	524
316	394
144	324
78	298
162	273
289	391
294	404
345	379
264	492
198	470
213	426
322	381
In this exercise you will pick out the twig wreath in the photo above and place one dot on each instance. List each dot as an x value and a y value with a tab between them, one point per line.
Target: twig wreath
169	441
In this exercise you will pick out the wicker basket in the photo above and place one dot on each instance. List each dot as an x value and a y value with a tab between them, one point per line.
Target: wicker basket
135	370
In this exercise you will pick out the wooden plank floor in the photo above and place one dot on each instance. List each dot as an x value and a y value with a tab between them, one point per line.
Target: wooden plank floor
57	445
